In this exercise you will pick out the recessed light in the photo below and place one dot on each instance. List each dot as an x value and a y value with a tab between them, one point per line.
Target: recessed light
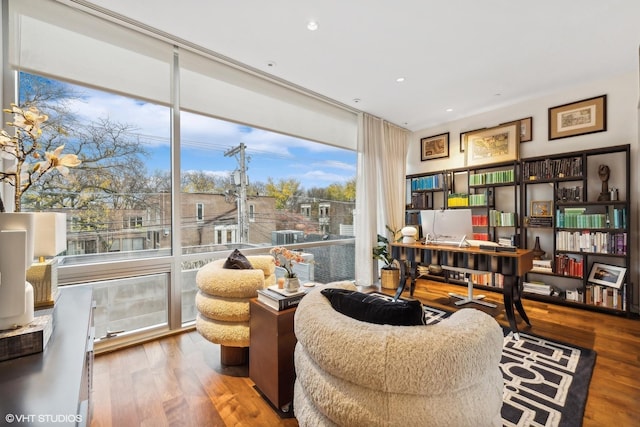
448	110
271	64
356	100
312	26
400	79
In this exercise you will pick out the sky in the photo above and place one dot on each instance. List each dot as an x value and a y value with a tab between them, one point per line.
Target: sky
205	140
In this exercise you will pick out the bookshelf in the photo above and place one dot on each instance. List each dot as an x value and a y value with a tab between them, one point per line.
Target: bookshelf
552	203
580	221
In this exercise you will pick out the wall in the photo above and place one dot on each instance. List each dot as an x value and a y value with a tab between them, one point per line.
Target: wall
622	128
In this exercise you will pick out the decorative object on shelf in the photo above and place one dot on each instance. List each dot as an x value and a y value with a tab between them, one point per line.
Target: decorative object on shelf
434	147
578	118
607	275
526	129
541	208
603	173
493	145
22	147
285	258
538	253
463	138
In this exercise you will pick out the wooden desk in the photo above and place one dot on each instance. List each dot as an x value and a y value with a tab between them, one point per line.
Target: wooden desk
271	349
513	265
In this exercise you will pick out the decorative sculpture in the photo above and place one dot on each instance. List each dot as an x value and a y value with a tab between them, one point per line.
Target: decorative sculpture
603	173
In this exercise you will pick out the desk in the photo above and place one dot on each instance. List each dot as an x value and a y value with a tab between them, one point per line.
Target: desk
513	265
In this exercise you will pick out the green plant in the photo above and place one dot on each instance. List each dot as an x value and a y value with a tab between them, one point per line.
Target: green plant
382	251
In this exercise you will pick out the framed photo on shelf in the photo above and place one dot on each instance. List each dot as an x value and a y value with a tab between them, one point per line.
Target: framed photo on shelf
607	275
434	147
493	145
463	138
540	208
578	118
526	129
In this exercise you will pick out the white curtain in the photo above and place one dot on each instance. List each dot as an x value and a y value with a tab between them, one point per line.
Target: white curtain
380	192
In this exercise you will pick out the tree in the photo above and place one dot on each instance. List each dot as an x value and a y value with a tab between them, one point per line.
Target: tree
285	191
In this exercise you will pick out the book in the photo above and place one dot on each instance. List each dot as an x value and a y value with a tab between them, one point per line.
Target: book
277	300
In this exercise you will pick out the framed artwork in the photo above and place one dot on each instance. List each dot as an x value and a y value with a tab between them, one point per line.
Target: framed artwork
526	129
541	208
434	147
578	118
493	145
463	138
607	275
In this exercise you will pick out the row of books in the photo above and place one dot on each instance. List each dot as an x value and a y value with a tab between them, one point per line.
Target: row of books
540	221
577	218
552	168
495	177
569	194
420	200
569	266
280	299
431	182
594	242
606	296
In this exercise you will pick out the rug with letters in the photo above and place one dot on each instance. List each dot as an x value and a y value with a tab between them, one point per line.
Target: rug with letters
546	381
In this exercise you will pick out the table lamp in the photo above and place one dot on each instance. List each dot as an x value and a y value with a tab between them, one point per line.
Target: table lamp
16	255
51	231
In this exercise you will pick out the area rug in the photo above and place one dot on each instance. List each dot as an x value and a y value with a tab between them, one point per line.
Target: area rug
546	382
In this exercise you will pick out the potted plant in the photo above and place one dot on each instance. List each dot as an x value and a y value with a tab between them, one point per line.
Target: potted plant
389	273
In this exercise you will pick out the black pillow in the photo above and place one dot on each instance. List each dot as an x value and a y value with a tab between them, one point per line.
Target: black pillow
374	308
237	261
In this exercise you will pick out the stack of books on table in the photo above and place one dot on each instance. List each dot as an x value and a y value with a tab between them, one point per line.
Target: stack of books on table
280	299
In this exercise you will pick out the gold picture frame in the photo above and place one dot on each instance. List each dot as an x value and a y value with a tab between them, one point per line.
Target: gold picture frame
493	145
434	147
463	138
578	118
541	208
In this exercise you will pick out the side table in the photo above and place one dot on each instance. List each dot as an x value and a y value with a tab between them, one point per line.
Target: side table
271	349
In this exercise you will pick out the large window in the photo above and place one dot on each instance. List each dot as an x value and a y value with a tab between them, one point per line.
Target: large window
184	158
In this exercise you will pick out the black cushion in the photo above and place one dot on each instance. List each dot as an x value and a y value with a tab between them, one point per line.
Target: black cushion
237	261
375	308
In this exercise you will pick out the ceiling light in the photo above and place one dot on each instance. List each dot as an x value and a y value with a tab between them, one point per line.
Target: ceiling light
356	100
312	26
271	64
448	110
400	79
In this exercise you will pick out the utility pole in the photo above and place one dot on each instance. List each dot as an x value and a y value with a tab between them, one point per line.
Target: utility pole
240	180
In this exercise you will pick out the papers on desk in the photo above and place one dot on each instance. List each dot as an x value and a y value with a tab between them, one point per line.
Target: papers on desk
477	243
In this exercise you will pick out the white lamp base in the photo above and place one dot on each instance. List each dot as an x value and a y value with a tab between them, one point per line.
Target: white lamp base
13	322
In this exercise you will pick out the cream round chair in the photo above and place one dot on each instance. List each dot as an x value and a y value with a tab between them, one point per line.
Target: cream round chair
223	303
352	373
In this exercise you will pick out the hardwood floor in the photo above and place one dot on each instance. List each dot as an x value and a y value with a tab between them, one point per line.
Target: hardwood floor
178	380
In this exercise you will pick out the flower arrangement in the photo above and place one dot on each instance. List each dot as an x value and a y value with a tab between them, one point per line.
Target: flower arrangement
24	146
285	259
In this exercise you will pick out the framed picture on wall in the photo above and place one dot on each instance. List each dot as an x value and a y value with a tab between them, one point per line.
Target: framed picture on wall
607	275
463	138
526	129
578	118
434	147
493	145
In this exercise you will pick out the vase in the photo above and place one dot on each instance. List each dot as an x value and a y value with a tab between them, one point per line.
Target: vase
537	251
292	284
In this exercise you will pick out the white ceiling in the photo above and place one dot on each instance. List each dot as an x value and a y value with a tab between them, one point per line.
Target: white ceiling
465	55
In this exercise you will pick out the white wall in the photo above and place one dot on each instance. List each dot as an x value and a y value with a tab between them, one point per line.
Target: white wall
623	127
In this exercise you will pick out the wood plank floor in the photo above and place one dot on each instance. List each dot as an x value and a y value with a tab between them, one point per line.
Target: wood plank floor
178	381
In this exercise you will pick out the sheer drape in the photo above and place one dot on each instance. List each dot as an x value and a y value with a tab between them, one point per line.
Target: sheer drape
382	152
